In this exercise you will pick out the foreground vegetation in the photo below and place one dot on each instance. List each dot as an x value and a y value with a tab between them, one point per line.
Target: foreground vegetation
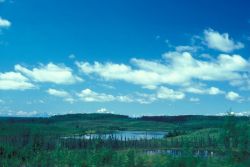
40	141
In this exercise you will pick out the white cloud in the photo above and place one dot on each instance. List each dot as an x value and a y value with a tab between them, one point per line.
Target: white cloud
194	99
14	81
4	23
25	113
58	93
233	96
243	83
221	42
162	93
169	94
186	48
244	113
70	100
126	99
177	69
107	86
184	68
111	71
150	87
35	102
207	56
215	91
53	73
88	95
202	90
144	98
61	93
104	110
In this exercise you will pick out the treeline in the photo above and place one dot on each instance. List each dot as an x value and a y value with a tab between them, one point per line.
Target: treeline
190	118
194	122
97	116
60	118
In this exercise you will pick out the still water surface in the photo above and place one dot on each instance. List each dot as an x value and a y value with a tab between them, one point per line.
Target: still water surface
123	135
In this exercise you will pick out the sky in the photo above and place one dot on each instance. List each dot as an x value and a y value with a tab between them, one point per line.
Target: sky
142	57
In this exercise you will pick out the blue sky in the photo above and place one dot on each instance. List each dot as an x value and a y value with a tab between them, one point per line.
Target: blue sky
125	57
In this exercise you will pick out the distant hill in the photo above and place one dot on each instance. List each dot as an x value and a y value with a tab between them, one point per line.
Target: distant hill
181	119
186	118
91	116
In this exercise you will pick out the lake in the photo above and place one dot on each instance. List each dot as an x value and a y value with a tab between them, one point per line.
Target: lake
122	135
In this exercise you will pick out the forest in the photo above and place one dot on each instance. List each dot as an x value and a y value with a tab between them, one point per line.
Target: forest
190	140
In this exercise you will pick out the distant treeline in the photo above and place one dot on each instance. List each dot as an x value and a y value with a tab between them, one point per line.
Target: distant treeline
66	117
97	116
186	118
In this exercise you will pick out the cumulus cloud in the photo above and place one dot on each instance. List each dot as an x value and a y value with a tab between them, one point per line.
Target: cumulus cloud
221	42
184	67
162	93
111	71
178	68
70	100
58	93
144	98
104	110
26	113
169	94
22	113
14	81
87	95
243	113
215	91
58	74
61	93
233	96
202	90
4	23
125	99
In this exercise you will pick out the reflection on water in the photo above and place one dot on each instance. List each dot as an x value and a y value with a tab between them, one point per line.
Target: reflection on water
123	135
178	152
